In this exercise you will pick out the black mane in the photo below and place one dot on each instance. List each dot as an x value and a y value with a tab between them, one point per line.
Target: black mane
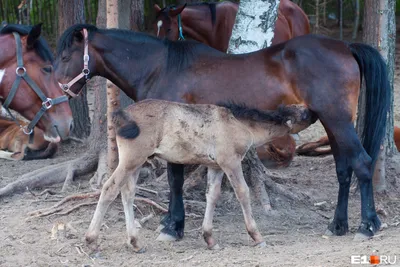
241	111
41	46
180	54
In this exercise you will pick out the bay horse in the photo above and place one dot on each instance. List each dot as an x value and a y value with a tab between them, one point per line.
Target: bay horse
215	136
18	145
314	149
28	85
211	24
320	72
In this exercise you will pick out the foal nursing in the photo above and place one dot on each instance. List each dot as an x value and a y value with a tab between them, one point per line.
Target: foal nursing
215	136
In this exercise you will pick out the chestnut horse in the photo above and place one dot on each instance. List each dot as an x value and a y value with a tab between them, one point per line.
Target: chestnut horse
186	133
13	139
320	72
27	83
211	24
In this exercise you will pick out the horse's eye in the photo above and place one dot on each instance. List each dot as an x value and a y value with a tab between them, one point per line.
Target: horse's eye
65	58
168	30
47	69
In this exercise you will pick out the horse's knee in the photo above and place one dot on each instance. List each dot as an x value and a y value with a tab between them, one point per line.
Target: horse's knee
363	167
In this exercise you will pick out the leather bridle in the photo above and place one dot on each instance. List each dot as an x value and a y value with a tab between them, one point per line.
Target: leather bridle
47	103
85	71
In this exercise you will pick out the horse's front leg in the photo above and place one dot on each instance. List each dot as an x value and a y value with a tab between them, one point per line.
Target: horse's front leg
173	224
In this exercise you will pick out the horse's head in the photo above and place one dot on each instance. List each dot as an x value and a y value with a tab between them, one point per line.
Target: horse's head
28	84
75	62
166	24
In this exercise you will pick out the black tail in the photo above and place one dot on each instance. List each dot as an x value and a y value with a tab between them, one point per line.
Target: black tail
124	126
378	96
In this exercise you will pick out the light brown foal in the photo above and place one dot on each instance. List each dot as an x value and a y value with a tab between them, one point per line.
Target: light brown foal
215	136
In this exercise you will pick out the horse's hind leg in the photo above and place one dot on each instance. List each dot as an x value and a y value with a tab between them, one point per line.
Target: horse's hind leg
350	154
234	173
214	179
128	196
108	194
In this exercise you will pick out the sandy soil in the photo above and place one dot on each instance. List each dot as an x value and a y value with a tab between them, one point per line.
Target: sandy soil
293	232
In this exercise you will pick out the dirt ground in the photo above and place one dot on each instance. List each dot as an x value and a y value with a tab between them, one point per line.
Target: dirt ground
293	232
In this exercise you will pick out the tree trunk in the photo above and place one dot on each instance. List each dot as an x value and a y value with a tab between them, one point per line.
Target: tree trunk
72	12
137	15
379	31
356	18
254	30
113	101
254	26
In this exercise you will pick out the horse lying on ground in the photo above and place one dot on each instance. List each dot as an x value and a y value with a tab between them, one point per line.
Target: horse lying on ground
215	136
13	139
314	149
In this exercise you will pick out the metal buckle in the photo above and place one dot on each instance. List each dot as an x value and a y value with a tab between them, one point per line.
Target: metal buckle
48	103
86	71
25	128
18	69
86	58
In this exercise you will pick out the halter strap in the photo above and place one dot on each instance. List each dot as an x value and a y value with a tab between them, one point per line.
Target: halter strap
181	37
85	71
47	103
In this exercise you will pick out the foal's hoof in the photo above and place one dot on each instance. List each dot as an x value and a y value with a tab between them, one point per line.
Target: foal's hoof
214	247
166	237
261	245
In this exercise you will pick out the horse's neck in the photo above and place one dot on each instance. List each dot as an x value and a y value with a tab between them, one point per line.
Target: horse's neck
264	132
130	69
197	26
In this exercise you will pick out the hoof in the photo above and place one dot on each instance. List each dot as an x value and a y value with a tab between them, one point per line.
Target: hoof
368	229
215	247
166	237
139	250
160	228
338	228
261	245
328	232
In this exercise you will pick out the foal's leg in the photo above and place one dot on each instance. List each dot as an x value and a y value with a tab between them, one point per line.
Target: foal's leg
173	224
128	196
108	194
214	179
234	173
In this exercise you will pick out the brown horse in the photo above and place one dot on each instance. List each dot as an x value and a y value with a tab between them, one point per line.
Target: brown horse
320	72
217	137
27	83
314	149
13	139
211	24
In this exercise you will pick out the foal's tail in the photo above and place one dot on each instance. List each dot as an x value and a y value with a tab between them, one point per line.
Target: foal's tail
124	126
378	96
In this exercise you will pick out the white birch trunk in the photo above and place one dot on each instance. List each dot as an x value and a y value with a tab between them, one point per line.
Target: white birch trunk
254	26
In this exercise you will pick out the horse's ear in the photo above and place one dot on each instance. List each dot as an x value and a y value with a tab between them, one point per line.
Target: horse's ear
176	11
34	35
78	35
157	8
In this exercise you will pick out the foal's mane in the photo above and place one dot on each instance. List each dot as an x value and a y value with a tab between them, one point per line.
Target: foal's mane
211	6
241	111
41	47
180	54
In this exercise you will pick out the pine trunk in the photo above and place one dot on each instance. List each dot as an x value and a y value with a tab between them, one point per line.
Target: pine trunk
73	12
137	15
113	101
379	31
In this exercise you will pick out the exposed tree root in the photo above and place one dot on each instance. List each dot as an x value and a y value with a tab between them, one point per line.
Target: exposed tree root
52	175
60	209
